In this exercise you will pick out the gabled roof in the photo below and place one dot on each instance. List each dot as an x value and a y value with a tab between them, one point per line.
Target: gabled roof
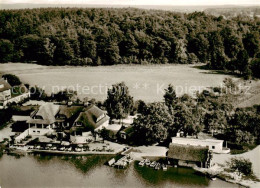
128	130
4	85
90	116
95	111
188	152
48	112
69	111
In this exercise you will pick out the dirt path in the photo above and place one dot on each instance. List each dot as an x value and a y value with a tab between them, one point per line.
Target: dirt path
253	156
6	132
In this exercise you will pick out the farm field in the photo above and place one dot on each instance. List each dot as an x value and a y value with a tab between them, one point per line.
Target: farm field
146	82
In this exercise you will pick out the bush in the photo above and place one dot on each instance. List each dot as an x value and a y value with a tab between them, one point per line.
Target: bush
242	165
12	79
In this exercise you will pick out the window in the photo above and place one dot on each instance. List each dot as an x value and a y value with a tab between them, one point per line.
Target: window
213	147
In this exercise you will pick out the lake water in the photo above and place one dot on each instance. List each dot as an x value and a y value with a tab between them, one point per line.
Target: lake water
90	171
144	82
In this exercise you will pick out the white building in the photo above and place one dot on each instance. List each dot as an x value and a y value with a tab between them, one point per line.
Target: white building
5	92
215	146
8	96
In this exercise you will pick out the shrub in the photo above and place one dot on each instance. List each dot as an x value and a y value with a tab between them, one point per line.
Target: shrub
242	165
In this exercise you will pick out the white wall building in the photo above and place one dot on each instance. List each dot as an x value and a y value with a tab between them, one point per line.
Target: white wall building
215	146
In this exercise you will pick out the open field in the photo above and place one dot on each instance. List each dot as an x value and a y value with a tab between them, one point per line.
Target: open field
144	82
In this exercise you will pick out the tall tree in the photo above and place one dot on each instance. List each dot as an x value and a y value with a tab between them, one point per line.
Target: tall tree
252	43
6	50
119	103
170	97
151	125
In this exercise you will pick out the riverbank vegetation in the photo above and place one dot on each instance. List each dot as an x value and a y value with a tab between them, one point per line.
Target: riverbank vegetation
74	36
211	111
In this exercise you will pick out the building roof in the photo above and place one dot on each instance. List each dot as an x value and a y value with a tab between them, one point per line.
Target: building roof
114	127
47	111
188	152
128	130
20	118
95	111
69	111
90	116
4	85
182	140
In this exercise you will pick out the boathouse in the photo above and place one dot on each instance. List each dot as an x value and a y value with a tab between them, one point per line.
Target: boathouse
187	155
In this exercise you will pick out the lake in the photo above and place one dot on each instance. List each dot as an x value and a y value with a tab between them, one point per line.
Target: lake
144	82
90	171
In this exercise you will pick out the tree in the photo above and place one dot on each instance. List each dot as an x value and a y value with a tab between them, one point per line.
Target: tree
184	119
255	67
242	165
65	95
37	93
6	50
12	79
242	61
63	53
170	96
141	106
87	46
119	103
104	134
251	43
217	57
151	126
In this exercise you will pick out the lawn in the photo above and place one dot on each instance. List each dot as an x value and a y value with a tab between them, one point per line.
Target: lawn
144	82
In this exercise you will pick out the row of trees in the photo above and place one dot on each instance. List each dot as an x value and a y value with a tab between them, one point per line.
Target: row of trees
76	36
210	110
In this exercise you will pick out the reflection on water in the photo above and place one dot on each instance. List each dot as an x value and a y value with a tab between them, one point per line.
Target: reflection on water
90	171
181	176
83	163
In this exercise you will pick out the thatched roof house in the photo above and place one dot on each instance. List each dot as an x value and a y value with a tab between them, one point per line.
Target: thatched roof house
45	115
91	119
188	152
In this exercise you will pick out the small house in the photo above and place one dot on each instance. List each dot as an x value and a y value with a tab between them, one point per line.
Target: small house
5	92
10	94
126	132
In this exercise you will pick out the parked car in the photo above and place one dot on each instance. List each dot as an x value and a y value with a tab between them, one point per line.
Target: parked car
158	166
141	163
147	162
153	164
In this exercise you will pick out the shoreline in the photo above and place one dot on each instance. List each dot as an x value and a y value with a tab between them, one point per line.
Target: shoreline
206	172
224	176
